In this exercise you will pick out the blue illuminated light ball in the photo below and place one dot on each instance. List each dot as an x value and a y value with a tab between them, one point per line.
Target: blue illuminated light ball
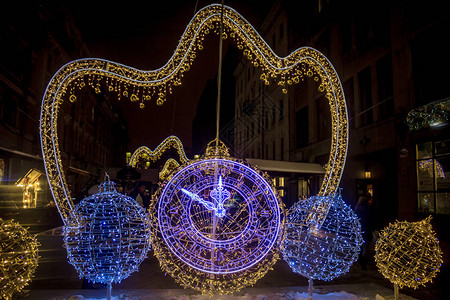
323	238
107	236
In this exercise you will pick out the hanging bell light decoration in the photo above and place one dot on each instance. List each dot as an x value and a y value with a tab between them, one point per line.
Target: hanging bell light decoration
323	237
18	257
107	236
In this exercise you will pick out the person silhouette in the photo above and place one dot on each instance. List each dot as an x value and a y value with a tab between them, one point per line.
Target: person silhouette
140	194
364	212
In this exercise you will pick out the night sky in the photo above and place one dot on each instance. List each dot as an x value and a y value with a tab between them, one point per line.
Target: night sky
145	36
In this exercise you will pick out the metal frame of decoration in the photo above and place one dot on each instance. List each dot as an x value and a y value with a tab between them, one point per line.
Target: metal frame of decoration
141	86
217	224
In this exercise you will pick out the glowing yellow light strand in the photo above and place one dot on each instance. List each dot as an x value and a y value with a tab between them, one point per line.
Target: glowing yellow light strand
408	253
138	85
153	155
18	257
170	165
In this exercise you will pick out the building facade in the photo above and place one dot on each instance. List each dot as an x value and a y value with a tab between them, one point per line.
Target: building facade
37	40
390	61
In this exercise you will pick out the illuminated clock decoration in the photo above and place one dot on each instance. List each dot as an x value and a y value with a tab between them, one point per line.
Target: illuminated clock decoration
109	238
217	224
408	253
326	249
18	257
103	76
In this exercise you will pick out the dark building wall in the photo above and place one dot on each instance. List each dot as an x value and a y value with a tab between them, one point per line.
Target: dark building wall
390	59
37	39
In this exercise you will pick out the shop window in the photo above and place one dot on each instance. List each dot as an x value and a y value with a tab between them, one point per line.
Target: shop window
2	169
303	188
433	177
279	183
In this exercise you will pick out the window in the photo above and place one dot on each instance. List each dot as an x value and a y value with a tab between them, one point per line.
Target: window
426	64
281	110
2	170
433	177
274	109
273	150
349	92
347	35
301	122
323	118
365	96
385	87
279	183
303	188
9	111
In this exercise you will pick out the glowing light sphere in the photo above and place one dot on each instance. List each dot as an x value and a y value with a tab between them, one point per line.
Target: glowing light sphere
18	257
217	224
323	237
111	238
408	253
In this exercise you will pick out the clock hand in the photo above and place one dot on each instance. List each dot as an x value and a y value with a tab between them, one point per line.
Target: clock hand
209	205
220	195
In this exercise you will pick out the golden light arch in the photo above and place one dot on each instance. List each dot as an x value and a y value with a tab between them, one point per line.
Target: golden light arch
142	86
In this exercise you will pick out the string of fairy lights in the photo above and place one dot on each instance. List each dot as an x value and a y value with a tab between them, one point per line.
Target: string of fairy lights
109	238
18	257
169	166
211	229
408	253
146	154
433	114
142	86
321	251
107	235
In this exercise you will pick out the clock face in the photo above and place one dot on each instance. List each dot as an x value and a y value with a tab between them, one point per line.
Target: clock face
218	216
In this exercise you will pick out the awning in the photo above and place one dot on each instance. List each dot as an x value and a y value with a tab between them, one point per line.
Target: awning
30	178
21	153
286	166
80	171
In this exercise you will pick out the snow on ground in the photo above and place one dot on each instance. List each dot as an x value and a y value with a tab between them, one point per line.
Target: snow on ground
336	292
